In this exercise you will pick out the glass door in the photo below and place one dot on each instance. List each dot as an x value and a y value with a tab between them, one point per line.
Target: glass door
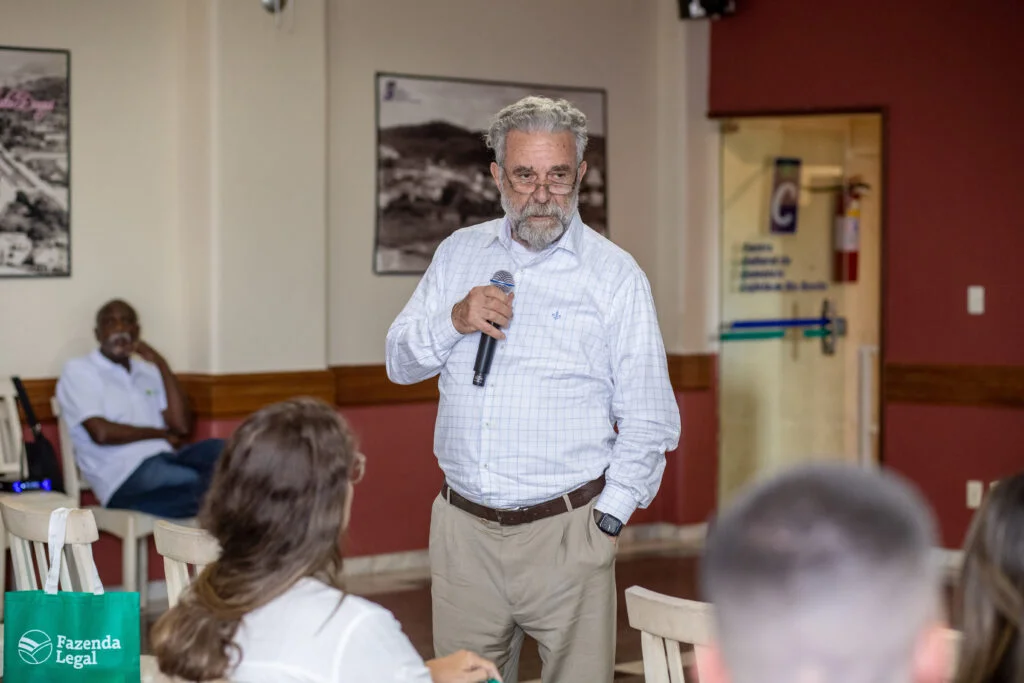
800	274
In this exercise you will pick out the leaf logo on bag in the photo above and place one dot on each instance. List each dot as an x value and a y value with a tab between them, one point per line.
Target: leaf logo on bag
35	647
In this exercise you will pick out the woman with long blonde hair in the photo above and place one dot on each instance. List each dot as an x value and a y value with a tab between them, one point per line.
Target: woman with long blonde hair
272	607
990	595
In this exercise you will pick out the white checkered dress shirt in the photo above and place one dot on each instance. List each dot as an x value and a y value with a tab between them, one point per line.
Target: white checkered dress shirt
583	353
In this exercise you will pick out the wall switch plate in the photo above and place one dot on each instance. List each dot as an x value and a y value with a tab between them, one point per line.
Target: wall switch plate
976	300
975	490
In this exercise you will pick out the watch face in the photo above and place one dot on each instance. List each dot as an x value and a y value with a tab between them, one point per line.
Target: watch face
610	525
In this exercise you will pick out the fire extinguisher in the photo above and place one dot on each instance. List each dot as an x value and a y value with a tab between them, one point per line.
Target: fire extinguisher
846	249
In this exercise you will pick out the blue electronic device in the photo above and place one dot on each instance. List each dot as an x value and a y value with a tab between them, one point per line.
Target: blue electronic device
24	485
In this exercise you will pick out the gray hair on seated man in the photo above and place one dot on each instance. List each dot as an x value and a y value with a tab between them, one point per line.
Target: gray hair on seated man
824	574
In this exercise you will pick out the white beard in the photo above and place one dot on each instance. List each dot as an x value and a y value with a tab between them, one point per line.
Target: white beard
539	237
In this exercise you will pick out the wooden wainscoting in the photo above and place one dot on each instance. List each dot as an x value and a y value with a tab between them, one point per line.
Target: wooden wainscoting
360	385
219	396
691	372
991	386
39	393
227	396
237	395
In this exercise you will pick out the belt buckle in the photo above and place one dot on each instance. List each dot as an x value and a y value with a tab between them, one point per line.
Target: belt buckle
503	516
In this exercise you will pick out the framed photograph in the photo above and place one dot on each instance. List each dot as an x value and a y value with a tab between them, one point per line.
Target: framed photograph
35	162
433	167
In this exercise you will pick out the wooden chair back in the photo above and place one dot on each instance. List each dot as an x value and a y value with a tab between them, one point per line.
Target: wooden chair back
186	551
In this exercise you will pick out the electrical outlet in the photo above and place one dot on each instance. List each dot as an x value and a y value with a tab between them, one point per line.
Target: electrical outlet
976	300
975	490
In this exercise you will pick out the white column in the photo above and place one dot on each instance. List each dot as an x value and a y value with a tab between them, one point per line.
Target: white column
688	184
253	182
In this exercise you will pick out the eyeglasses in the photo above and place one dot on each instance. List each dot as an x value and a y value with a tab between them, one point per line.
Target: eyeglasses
358	470
558	182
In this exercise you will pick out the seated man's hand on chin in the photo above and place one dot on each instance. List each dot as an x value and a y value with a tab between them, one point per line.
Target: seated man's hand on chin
147	352
462	667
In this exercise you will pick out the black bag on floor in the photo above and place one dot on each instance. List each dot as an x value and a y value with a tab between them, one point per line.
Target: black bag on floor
39	452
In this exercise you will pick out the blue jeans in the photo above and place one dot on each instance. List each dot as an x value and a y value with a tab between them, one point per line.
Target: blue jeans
170	485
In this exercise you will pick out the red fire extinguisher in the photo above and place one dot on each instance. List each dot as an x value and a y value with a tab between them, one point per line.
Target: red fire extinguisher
846	249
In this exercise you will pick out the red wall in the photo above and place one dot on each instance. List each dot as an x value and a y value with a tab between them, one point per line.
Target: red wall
950	78
391	511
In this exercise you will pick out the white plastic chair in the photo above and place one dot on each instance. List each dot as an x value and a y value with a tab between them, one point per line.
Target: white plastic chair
665	623
186	551
12	447
29	529
132	527
11	438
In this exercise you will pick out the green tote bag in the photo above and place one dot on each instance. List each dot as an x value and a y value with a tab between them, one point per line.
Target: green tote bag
70	637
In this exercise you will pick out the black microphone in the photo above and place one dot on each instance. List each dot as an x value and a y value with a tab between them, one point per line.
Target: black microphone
501	279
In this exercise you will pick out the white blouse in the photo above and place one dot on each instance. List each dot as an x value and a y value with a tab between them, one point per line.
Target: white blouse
306	636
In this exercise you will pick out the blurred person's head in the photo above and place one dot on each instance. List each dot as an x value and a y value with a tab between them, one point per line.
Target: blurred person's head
538	164
278	505
824	574
990	595
117	330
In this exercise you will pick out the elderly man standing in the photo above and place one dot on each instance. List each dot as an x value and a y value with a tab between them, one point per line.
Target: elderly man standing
548	459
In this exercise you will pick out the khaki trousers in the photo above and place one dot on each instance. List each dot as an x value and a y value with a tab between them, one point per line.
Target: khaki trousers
553	579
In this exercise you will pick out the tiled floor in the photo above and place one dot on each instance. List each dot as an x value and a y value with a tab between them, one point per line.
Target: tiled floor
669	571
673	572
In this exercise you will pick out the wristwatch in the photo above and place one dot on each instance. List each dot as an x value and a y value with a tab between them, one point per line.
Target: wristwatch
607	523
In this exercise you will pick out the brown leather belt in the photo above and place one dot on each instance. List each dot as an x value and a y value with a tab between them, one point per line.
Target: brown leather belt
577	498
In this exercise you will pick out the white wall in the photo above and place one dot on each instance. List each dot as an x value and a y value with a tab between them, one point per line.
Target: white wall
244	212
198	183
596	43
196	219
689	181
123	150
269	184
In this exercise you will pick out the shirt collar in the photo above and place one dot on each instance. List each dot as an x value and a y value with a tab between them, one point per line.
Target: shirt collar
570	241
99	359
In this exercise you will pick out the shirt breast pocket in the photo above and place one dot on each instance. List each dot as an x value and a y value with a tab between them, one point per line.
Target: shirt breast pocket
150	394
138	405
117	406
568	342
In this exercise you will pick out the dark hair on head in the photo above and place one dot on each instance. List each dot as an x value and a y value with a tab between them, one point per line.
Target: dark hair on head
990	594
105	308
276	506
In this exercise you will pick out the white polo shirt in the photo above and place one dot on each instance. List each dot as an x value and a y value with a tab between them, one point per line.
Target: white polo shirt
310	634
95	386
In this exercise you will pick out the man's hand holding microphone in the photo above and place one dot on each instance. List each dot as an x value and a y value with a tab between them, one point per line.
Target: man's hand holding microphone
487	308
480	308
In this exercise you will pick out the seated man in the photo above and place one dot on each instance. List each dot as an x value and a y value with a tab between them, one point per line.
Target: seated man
824	575
128	422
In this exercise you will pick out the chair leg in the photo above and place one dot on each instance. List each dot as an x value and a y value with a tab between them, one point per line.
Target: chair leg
3	567
130	559
143	550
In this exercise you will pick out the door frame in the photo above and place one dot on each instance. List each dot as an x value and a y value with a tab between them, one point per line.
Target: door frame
883	223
